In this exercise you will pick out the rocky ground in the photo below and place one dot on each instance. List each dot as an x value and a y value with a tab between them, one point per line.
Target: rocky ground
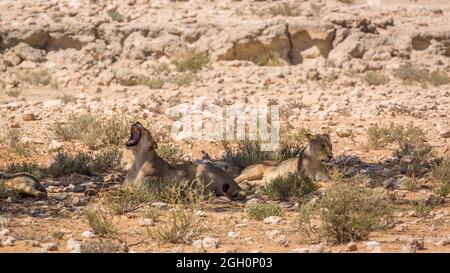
312	58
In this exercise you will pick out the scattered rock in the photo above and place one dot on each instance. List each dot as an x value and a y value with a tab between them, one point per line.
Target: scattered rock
206	243
233	235
87	234
147	222
9	241
73	245
4	232
300	250
272	233
317	249
418	243
50	246
29	117
351	247
372	244
160	205
434	200
282	240
273	220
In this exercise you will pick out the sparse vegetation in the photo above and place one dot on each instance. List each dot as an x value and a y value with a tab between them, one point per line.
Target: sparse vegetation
92	131
375	78
284	9
346	212
293	186
27	167
421	209
153	82
170	153
35	76
67	98
410	143
5	221
65	164
115	15
100	220
192	62
152	213
99	246
57	235
182	226
180	192
379	136
248	152
13	139
260	211
127	199
15	93
270	58
441	173
410	184
438	78
184	79
82	163
410	74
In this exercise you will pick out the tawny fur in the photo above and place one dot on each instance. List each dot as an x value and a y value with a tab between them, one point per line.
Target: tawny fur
24	183
148	166
312	161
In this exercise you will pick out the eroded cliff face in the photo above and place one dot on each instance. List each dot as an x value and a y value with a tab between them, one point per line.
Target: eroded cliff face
95	40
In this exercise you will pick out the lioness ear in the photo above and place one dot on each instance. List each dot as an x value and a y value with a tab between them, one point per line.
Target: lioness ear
310	137
327	136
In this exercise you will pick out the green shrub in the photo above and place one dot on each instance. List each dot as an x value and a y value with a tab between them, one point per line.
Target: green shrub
375	78
293	186
100	220
27	167
346	212
170	153
192	62
182	227
92	131
441	174
260	211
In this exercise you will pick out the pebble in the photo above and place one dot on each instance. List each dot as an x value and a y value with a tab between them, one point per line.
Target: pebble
87	234
273	220
73	245
282	240
4	232
351	247
272	234
50	246
233	235
317	249
146	222
300	250
372	244
205	243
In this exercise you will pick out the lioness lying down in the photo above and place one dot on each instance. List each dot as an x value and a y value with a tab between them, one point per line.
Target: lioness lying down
312	161
148	166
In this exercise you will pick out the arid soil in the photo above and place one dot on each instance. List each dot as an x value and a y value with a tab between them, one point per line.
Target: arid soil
60	59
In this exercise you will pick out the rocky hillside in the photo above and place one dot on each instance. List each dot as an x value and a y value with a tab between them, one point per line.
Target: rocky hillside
88	42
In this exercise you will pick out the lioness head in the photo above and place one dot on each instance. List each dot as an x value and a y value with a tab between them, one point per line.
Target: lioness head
320	147
140	138
8	184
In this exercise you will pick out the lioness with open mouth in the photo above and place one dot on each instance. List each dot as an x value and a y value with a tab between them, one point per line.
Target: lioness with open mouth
148	166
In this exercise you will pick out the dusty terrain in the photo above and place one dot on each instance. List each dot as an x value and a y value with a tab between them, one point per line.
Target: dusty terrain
64	58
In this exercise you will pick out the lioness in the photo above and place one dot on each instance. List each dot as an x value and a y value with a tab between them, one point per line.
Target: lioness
312	161
148	166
